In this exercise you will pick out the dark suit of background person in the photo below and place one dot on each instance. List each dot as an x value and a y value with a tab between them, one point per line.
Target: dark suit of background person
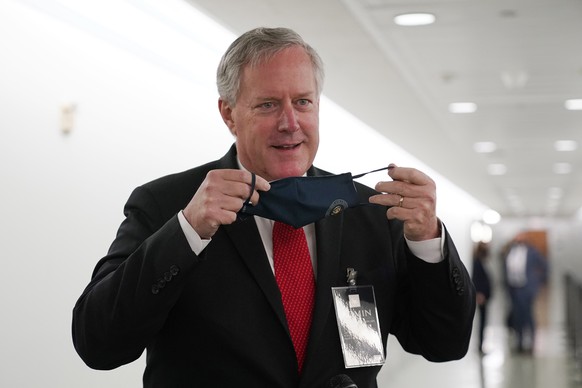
525	272
482	283
216	319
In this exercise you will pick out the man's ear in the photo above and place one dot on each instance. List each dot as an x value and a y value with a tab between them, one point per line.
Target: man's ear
226	113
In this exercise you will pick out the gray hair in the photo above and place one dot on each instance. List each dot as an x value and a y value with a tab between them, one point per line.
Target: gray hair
254	47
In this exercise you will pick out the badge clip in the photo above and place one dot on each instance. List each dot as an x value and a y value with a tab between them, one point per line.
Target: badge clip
352	274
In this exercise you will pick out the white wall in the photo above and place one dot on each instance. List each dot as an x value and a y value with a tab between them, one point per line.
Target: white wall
145	106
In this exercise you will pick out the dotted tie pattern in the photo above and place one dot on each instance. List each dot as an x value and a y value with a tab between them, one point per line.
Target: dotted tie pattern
294	275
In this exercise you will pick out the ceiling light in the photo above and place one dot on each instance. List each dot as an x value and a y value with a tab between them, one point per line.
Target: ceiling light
491	217
562	168
414	19
566	145
514	201
574	104
514	79
484	147
497	169
462	107
555	192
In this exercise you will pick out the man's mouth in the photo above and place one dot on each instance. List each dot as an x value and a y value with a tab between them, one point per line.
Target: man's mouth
287	146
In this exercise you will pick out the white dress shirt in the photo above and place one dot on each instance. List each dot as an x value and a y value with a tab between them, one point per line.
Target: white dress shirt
427	250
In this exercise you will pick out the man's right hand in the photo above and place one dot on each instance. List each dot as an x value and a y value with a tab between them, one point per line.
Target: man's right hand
219	198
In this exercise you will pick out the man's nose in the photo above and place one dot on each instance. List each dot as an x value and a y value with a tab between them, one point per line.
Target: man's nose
288	120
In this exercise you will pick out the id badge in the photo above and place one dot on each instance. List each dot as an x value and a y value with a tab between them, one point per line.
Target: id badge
359	328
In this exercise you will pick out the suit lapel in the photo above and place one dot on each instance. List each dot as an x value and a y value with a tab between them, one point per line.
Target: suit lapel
247	240
328	235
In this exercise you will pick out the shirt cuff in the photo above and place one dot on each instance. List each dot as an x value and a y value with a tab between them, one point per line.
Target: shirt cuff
431	250
196	243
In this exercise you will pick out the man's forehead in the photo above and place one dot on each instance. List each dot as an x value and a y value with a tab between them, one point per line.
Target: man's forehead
266	86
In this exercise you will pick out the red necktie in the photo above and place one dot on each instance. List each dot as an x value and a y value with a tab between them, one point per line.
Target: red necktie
294	275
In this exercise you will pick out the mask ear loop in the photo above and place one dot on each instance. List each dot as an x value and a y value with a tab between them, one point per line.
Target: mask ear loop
366	173
248	200
369	172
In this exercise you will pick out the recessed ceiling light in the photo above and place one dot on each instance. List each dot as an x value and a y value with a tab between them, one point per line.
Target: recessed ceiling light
555	192
497	169
562	168
574	104
462	107
512	196
514	79
491	217
484	147
566	145
414	19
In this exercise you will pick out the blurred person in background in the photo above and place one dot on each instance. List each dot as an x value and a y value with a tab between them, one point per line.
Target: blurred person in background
526	271
482	282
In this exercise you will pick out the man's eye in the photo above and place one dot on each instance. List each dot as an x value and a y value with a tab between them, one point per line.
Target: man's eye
267	105
303	102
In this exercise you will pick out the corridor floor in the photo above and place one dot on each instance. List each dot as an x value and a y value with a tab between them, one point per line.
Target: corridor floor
549	367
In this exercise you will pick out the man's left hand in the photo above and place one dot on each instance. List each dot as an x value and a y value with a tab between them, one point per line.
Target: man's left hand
412	199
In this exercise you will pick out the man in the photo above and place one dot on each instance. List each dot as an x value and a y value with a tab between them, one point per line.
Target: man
198	287
525	273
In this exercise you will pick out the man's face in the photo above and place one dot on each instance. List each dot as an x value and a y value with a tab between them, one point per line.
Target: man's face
276	117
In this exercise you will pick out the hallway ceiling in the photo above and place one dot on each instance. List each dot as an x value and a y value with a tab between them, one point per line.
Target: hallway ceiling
518	60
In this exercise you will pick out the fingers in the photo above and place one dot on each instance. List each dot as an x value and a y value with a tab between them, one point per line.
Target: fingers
219	198
407	174
411	198
238	184
408	189
408	182
260	185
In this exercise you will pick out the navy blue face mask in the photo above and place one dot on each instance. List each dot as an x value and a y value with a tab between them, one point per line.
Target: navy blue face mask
299	201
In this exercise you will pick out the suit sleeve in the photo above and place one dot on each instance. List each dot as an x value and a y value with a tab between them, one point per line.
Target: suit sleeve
436	306
134	287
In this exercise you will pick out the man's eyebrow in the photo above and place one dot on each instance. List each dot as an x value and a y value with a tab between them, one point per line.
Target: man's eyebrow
304	95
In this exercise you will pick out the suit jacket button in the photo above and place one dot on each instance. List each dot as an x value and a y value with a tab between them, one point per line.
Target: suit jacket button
161	283
174	270
167	276
155	289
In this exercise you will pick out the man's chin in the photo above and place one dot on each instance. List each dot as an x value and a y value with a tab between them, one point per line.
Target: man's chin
287	172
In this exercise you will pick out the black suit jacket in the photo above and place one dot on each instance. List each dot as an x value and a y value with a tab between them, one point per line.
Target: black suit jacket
217	320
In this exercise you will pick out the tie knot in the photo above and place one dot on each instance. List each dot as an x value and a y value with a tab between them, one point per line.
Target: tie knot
285	232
